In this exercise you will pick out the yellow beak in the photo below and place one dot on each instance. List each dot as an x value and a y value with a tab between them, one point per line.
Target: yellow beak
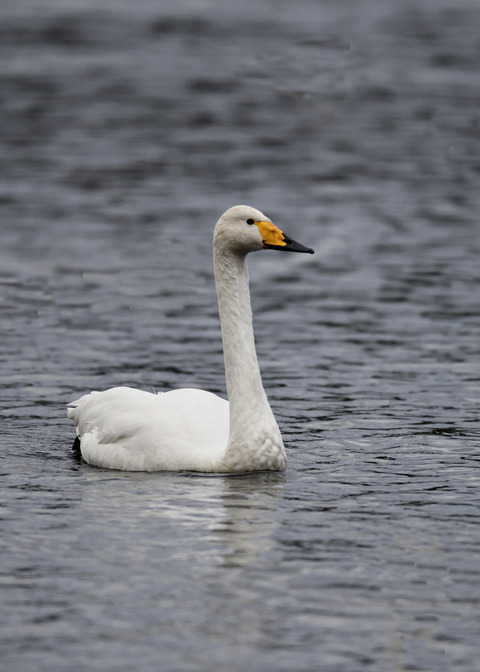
274	238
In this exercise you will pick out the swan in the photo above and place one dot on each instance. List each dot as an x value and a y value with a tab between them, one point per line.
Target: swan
190	429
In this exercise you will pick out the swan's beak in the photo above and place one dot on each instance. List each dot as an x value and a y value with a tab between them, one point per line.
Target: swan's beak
274	239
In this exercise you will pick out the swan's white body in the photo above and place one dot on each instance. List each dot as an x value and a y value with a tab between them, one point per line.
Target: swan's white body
195	430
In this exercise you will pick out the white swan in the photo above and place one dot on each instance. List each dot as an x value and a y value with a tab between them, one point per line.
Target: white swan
189	429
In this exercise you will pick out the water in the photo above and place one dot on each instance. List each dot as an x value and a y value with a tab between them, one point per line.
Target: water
125	131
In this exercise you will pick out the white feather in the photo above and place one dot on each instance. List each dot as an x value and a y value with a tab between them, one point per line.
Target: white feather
189	429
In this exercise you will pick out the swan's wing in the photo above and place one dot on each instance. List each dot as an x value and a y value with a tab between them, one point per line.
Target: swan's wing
124	428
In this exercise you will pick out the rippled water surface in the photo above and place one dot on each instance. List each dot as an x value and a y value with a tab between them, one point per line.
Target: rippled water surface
125	130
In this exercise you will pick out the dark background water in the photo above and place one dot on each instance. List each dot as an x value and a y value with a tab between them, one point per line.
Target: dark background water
125	130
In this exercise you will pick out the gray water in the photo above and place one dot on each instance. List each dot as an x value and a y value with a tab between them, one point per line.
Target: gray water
126	129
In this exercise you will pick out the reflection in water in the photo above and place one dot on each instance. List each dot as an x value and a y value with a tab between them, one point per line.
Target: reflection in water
247	533
237	515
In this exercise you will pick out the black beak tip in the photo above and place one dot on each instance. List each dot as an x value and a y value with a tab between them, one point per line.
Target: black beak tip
289	245
293	246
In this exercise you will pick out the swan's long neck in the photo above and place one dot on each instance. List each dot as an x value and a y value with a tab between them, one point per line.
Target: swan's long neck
244	383
255	440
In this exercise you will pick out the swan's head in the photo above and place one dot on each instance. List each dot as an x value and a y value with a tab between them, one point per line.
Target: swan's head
243	229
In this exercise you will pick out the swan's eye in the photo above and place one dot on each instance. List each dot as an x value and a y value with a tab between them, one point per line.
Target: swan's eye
250	221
